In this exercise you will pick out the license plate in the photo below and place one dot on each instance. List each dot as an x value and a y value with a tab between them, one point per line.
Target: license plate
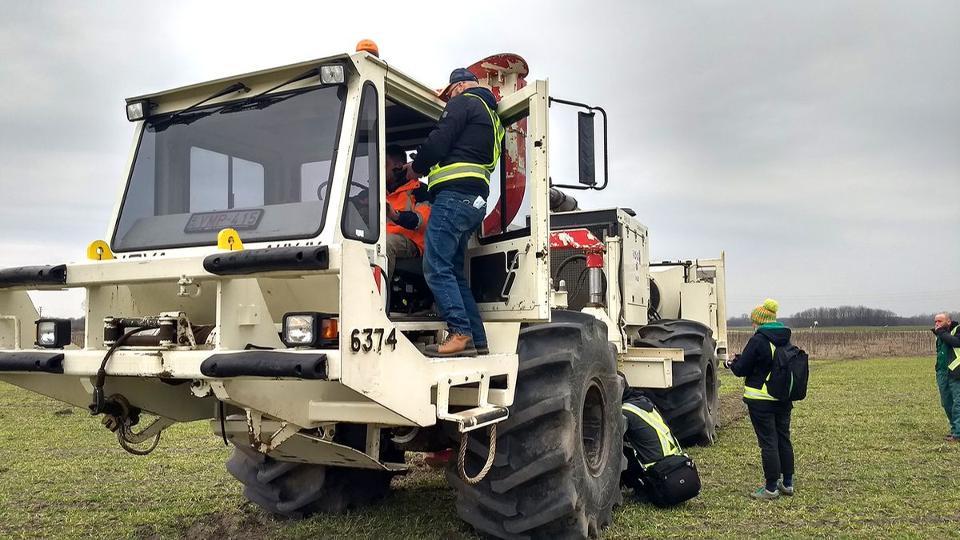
214	221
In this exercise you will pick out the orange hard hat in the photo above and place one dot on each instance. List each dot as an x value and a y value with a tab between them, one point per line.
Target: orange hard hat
369	46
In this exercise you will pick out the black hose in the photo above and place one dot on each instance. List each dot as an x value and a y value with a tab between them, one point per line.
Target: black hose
560	267
98	402
223	424
580	282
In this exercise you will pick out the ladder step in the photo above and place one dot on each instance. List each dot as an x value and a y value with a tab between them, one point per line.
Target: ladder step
479	417
408	326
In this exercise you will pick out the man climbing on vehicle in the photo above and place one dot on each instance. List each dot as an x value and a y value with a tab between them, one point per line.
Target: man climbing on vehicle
948	370
459	155
407	210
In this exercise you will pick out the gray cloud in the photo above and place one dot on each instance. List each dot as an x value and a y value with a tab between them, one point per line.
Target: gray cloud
816	143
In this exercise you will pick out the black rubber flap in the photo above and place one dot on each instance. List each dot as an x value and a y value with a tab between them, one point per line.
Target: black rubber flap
251	261
39	361
33	275
266	364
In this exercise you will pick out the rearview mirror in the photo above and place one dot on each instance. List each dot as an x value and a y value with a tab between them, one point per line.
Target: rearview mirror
586	148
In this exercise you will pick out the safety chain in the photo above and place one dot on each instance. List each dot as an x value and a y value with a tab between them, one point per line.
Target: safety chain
124	435
462	457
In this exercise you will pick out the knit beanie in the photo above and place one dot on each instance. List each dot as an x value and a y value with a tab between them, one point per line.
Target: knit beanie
766	312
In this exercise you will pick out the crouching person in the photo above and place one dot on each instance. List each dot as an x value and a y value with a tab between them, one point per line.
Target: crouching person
657	468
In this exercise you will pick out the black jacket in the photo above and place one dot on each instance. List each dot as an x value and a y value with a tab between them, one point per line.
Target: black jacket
464	134
641	436
756	360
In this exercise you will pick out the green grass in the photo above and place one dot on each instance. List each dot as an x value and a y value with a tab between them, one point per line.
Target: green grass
871	462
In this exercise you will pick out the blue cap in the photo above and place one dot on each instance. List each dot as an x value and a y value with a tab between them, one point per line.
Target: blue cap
462	74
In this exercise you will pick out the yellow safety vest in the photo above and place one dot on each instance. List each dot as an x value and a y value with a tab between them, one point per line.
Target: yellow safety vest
956	353
668	443
454	171
761	393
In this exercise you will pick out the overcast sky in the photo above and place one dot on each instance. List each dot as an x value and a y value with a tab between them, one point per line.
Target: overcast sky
818	143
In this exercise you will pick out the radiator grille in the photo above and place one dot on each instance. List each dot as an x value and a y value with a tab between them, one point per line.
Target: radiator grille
574	273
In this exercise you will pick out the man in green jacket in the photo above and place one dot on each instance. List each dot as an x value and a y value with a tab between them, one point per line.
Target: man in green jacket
948	370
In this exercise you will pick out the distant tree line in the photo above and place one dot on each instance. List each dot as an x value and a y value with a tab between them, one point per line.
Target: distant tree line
847	316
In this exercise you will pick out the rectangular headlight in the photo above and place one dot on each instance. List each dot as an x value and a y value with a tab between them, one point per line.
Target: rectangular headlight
309	329
53	333
332	74
136	110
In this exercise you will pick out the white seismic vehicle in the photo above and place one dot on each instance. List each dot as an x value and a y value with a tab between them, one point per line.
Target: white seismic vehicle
243	281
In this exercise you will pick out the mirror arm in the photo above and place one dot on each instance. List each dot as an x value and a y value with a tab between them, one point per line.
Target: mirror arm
606	160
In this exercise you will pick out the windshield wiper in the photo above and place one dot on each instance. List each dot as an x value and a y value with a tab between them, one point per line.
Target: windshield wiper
183	116
261	100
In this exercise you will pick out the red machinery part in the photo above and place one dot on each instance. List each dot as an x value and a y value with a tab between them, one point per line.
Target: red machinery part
575	239
595	259
505	74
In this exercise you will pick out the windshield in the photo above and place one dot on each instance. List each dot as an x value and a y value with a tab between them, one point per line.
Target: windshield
262	168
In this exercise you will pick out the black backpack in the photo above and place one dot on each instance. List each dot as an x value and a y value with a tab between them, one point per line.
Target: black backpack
789	373
672	480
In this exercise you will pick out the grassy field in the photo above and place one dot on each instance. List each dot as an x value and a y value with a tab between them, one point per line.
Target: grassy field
854	342
870	451
844	328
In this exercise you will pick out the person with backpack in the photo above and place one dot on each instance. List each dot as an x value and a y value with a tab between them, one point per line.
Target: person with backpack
657	468
775	374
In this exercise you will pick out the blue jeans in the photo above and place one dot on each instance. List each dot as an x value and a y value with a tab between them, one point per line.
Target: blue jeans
950	399
453	220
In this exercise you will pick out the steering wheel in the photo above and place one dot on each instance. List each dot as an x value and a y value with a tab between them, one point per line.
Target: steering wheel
321	189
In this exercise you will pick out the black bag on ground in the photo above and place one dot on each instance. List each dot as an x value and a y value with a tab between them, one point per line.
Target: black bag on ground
672	480
791	370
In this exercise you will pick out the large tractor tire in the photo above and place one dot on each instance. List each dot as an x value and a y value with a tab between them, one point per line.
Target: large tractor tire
297	490
690	406
556	473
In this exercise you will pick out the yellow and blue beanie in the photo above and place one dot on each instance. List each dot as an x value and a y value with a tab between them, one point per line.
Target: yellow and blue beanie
766	312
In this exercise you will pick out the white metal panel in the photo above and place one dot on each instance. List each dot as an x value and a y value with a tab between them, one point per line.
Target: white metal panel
649	367
529	297
695	302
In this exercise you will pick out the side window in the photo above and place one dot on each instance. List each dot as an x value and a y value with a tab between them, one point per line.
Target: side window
221	182
508	207
361	213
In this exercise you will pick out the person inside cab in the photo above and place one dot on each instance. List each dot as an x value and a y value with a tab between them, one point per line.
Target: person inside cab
407	210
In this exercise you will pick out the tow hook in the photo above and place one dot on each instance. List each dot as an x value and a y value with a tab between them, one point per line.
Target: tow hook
120	417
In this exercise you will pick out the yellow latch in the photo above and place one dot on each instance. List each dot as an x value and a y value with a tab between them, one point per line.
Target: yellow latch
229	239
98	250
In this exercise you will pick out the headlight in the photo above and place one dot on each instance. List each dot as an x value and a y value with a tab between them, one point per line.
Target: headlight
137	110
53	333
332	74
310	330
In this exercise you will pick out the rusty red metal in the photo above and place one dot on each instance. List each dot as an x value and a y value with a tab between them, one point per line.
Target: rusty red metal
575	239
504	74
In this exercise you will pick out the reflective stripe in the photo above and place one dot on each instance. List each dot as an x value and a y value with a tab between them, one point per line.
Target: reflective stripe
668	443
755	393
761	393
458	170
455	171
956	353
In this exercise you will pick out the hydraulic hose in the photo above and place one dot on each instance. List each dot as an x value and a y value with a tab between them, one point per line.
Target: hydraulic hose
97	407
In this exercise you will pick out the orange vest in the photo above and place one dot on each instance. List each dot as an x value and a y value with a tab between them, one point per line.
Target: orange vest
402	200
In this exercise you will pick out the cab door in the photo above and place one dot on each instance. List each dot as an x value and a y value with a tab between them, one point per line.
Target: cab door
508	262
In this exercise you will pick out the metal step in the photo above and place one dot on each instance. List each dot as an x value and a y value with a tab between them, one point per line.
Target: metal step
478	417
420	324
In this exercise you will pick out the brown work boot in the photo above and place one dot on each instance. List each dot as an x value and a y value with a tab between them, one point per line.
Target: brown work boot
454	345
